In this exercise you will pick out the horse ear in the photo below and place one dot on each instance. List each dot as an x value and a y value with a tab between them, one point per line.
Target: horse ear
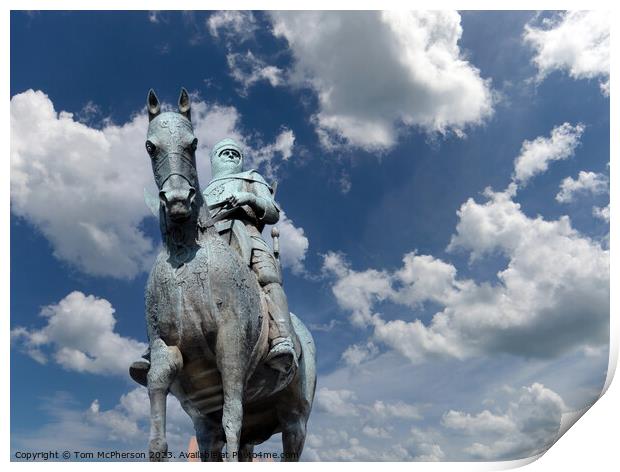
184	104
152	103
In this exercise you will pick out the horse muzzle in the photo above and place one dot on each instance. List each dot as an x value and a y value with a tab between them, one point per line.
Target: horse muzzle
178	202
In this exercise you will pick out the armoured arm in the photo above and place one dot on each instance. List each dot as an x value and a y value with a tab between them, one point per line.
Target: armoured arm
265	206
258	196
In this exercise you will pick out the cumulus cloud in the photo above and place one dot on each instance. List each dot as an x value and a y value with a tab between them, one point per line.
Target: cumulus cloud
357	291
83	187
484	422
336	402
284	143
128	421
79	335
368	443
587	182
576	42
343	402
122	427
433	388
551	297
602	213
247	69
383	410
528	426
375	432
358	353
235	28
266	158
428	452
232	25
536	155
293	244
356	430
408	72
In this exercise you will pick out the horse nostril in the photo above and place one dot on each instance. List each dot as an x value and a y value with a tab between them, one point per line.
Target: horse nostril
192	194
162	197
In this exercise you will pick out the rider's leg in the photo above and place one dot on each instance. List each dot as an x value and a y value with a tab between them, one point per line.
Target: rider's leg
280	315
270	279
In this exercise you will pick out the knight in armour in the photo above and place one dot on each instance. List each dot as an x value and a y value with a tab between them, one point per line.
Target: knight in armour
253	198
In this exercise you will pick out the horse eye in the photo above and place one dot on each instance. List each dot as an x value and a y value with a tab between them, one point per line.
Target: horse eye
150	148
194	144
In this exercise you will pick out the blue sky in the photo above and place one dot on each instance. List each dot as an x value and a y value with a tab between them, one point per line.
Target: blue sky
460	321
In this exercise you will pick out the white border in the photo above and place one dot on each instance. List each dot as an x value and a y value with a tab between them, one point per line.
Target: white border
591	444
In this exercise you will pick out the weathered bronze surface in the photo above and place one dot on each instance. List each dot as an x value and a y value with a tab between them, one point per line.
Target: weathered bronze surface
210	296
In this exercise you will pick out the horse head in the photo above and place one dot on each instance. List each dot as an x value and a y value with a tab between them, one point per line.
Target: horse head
171	145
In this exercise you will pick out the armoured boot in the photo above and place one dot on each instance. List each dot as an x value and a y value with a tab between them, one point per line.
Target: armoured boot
281	356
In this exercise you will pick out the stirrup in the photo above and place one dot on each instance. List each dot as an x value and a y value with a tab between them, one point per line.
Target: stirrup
282	356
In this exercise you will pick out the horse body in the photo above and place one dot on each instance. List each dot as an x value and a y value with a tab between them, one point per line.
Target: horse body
207	325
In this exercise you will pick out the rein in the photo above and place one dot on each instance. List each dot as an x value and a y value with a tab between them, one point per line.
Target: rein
219	216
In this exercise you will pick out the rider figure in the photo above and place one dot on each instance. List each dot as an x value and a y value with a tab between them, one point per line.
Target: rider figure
247	191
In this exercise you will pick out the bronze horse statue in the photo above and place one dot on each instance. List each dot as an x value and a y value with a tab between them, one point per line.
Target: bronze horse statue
207	320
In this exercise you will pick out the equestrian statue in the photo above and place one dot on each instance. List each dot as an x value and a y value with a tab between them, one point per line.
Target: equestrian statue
221	338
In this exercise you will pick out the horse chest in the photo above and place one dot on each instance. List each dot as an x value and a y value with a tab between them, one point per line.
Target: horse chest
181	299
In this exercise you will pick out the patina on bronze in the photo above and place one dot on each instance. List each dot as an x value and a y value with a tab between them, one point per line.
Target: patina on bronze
207	316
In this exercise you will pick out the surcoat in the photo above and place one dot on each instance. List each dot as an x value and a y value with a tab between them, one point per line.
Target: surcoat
243	227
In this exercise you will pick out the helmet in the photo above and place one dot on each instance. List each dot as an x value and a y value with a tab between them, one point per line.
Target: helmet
226	158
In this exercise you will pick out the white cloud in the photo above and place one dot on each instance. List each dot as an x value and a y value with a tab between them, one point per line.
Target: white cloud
123	427
265	157
336	402
344	402
602	213
232	25
358	353
120	427
154	16
552	296
587	182
248	69
212	123
357	291
424	278
408	72
484	422
383	410
375	432
284	143
576	42
293	244
346	429
129	420
492	382
428	452
536	155
83	187
80	335
528	426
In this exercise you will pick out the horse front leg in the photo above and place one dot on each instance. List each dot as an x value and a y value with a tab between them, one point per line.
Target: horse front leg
232	360
166	362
